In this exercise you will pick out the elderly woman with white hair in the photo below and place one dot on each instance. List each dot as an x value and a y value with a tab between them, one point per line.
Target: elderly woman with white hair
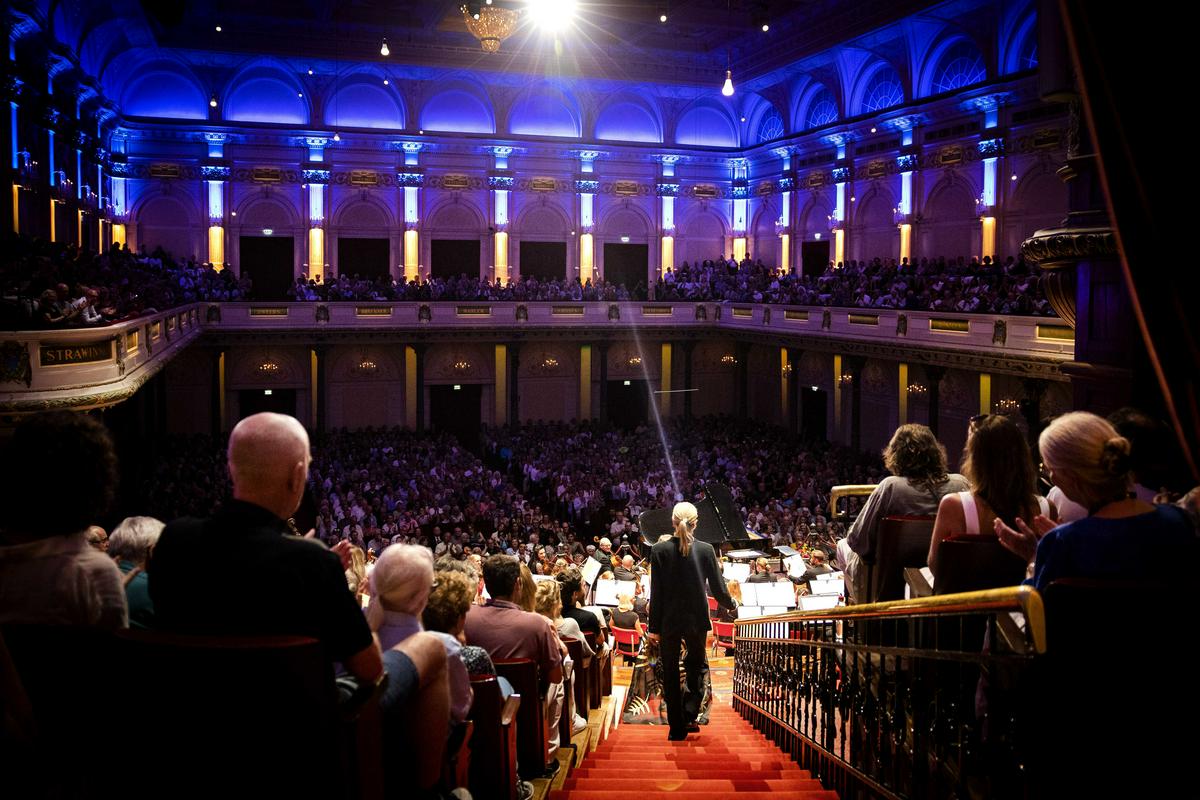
130	545
401	583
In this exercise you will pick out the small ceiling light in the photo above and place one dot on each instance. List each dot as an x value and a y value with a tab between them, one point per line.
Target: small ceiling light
233	213
218	29
552	15
383	48
1014	177
872	129
337	137
488	2
267	231
852	199
385	81
816	235
212	101
766	26
299	94
743	119
421	133
310	72
727	87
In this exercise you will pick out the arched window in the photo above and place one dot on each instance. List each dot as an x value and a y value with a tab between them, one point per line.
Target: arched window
1029	59
883	92
961	65
822	110
771	127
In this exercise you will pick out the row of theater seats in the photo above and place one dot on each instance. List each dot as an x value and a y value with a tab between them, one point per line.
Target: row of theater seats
94	714
514	732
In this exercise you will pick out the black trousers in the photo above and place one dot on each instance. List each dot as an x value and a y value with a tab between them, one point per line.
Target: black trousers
681	711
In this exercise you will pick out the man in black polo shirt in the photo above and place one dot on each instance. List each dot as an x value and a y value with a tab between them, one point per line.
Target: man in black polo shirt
239	572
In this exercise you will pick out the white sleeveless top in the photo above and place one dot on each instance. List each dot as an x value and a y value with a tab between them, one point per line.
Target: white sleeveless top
972	514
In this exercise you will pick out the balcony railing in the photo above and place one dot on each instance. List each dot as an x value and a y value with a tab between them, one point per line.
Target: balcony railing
900	699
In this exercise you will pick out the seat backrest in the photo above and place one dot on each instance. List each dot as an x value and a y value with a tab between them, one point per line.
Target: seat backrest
582	675
216	706
903	542
713	606
493	771
522	673
627	640
723	631
970	563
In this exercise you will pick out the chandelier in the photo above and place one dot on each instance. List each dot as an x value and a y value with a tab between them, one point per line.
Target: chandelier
492	25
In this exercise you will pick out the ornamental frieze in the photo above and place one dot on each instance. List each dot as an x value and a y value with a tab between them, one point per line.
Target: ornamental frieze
1069	244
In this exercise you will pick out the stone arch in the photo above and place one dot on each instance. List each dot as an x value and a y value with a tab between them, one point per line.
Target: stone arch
363	214
628	117
706	123
1019	49
874	225
542	219
271	211
162	88
1039	201
703	236
764	241
169	220
362	101
244	372
953	50
456	216
458	106
545	110
949	219
265	91
346	365
814	218
625	220
879	86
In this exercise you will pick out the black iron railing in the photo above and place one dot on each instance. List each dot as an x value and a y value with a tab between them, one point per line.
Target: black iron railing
913	698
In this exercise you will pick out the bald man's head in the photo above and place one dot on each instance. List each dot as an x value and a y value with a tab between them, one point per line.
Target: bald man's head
268	462
627	562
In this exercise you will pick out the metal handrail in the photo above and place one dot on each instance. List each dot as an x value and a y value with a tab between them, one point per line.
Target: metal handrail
847	490
1024	599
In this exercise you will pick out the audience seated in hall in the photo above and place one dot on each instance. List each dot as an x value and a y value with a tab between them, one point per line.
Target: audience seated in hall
547	602
49	573
130	545
507	631
919	481
1086	457
999	468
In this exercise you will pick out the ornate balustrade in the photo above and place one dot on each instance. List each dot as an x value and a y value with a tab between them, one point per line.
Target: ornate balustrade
917	698
82	368
119	357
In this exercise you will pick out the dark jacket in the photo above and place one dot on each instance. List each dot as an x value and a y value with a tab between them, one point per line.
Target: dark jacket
678	600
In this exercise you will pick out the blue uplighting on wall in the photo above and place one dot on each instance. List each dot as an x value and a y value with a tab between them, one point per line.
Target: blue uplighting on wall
316	176
589	187
841	174
628	121
410	178
667	189
457	111
211	173
266	99
906	163
960	65
991	147
822	109
706	126
884	91
501	182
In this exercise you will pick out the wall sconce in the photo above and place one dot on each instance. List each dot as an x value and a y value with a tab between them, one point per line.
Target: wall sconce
917	389
268	367
366	367
846	379
1007	405
635	361
461	366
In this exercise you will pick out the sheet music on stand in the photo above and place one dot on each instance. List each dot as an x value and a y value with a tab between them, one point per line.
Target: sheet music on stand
607	591
795	565
779	594
540	578
750	594
735	572
748	612
818	602
646	586
590	569
826	587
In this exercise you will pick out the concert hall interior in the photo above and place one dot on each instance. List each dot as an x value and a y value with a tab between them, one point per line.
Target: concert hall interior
451	303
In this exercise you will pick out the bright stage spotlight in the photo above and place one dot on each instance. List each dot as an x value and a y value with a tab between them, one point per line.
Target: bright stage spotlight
552	15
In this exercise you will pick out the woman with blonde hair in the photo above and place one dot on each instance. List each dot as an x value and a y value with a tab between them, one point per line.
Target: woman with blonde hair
679	569
1086	458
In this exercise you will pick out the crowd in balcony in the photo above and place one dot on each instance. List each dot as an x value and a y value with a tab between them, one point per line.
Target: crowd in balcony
947	285
54	285
950	285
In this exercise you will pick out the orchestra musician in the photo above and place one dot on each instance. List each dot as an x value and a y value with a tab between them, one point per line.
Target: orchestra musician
605	555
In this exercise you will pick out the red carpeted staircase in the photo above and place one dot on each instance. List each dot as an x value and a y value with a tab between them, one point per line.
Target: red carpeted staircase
727	758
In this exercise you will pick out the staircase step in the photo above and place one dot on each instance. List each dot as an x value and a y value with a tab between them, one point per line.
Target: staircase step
658	783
